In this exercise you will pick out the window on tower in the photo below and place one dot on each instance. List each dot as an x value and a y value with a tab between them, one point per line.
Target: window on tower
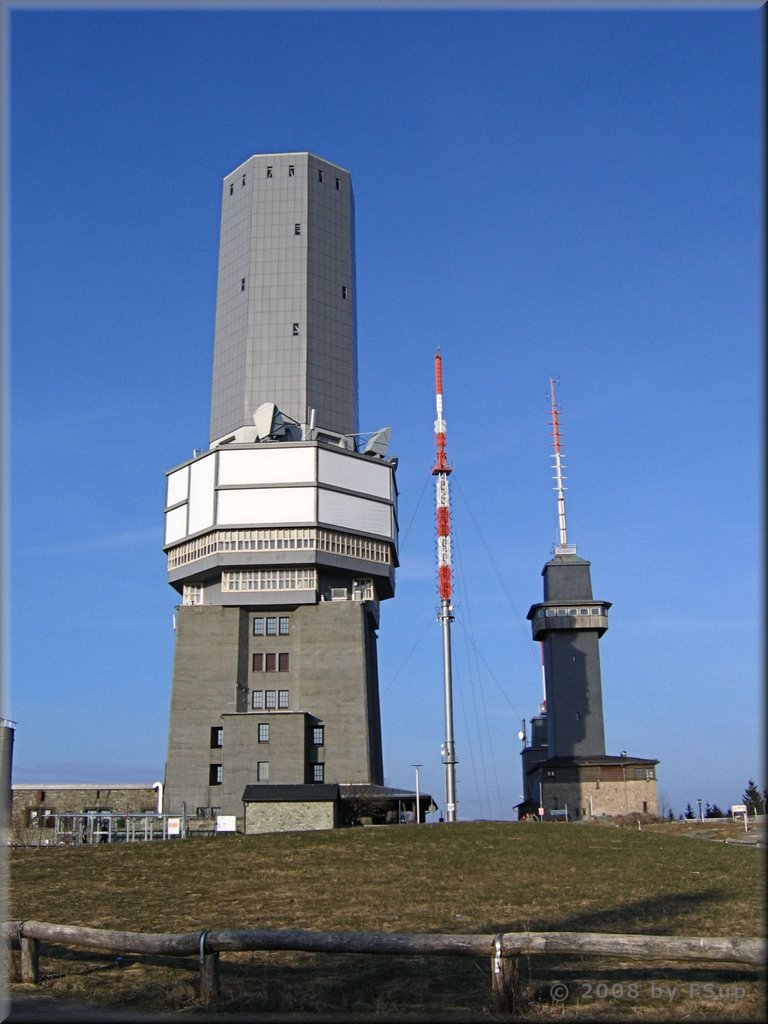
263	732
318	772
290	170
214	775
297	229
295	330
269	171
217	736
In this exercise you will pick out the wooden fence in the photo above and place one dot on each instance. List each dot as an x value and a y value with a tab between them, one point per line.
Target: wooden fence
503	948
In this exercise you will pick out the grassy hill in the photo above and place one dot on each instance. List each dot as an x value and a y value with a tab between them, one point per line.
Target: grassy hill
466	877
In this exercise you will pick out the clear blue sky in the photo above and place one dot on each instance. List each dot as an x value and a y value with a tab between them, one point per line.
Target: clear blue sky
538	192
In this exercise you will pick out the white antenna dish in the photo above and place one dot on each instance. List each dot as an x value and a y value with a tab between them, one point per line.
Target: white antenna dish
271	423
378	442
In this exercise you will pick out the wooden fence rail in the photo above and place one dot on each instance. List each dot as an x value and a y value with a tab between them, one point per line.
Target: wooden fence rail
503	948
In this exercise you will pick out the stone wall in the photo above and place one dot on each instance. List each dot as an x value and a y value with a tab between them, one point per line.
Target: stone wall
33	804
296	816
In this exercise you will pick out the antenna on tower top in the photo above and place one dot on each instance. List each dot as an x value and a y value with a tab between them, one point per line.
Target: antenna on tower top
441	470
562	547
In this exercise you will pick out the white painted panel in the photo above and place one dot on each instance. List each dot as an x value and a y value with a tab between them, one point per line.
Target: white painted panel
272	464
356	474
201	493
278	505
178	486
358	514
175	524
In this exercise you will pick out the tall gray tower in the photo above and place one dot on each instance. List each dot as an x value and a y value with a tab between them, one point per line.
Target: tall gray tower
281	538
569	623
566	771
285	307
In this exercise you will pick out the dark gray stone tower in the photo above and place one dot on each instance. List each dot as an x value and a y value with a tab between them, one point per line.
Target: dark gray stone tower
569	623
569	774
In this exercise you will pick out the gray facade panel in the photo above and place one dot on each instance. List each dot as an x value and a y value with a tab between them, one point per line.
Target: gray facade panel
285	311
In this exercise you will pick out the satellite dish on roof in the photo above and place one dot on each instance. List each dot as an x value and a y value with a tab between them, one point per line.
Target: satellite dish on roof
378	442
271	423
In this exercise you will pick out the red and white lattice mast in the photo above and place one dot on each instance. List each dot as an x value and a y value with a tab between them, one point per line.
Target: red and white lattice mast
562	547
441	471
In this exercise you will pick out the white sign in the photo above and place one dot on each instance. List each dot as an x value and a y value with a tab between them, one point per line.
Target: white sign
739	809
226	823
174	826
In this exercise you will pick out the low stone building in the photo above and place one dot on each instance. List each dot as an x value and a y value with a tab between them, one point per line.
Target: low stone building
35	806
591	787
299	808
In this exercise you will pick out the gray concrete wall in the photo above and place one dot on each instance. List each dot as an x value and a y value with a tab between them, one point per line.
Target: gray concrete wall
331	681
209	679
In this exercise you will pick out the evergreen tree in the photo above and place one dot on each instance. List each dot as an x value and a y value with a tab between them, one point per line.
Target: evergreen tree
689	811
713	811
671	814
751	798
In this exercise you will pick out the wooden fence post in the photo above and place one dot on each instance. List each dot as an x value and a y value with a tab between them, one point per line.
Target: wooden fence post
505	980
210	986
30	960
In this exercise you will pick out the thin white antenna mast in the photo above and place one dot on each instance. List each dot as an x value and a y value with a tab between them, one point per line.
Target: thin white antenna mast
563	547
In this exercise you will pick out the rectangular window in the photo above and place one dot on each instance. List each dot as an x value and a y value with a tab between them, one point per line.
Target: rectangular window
318	772
257	700
343	291
295	330
243	179
283	664
242	284
263	733
290	170
262	771
214	775
282	698
258	627
318	735
284	625
272	626
320	174
270	663
231	187
258	662
217	737
271	698
338	184
297	229
269	172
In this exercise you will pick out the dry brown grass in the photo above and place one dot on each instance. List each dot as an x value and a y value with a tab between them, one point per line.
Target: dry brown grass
468	877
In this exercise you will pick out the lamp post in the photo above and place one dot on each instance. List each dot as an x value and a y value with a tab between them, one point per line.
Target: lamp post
701	816
418	803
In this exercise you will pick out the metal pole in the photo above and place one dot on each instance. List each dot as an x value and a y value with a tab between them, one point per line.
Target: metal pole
418	799
701	816
449	750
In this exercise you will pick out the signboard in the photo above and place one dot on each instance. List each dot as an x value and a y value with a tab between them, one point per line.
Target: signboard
174	826
739	809
226	823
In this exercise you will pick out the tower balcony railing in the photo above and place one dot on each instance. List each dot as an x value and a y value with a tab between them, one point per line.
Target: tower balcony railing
264	541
